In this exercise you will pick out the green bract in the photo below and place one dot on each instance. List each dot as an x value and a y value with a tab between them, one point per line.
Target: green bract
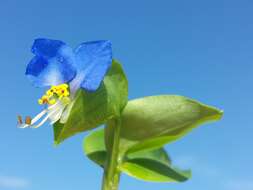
91	109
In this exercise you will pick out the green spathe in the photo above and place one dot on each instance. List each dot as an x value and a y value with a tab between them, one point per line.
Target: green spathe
91	109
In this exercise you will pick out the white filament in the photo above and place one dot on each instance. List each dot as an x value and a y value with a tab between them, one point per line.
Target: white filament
44	119
53	113
35	119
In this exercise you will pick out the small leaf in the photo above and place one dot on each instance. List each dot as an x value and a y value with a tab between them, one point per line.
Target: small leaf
91	109
153	166
159	155
94	147
154	171
151	122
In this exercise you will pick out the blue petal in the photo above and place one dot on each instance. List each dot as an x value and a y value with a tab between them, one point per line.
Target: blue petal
54	71
92	62
46	48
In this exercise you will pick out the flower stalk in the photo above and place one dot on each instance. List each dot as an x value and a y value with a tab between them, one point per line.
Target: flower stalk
111	176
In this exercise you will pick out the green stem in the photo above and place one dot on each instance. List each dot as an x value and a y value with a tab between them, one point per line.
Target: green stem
111	173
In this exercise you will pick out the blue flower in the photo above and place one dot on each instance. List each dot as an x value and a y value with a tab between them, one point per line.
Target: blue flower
66	70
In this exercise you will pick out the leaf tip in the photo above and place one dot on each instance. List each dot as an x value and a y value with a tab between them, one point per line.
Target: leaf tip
56	144
212	113
221	113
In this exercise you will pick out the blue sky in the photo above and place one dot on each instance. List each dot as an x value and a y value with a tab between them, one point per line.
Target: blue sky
199	49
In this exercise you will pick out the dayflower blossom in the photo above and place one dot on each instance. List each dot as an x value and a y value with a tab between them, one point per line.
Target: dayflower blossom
64	70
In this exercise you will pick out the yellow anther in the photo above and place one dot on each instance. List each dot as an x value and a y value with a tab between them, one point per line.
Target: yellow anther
50	92
54	93
52	101
40	101
45	97
65	86
66	93
62	90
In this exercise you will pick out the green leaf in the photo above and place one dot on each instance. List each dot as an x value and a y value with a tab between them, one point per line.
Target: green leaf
159	155
94	147
91	109
151	122
153	166
154	171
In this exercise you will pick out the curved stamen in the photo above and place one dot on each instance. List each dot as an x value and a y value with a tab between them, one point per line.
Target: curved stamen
35	119
45	119
55	100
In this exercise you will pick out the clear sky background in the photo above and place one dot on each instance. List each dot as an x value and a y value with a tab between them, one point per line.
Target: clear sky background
200	49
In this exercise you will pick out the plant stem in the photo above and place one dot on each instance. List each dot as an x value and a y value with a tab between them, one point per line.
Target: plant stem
111	173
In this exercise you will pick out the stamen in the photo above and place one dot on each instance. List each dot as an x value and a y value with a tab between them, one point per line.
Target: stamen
51	102
55	92
54	105
56	99
40	101
20	122
50	111
37	117
45	119
41	123
28	120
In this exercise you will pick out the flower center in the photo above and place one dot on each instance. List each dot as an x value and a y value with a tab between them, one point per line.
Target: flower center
59	92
